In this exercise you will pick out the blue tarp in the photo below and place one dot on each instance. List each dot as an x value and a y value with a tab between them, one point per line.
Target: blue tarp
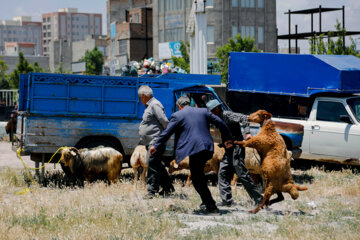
290	74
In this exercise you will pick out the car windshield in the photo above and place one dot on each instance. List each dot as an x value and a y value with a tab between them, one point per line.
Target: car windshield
354	104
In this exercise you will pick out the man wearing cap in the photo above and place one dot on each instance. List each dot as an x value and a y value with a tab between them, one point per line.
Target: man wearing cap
233	160
192	138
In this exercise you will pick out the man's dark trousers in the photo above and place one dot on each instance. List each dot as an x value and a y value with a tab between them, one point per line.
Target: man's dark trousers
157	174
233	160
197	164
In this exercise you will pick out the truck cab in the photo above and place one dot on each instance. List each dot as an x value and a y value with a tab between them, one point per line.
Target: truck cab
333	129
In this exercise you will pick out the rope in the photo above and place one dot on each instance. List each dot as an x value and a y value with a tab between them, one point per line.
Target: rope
26	167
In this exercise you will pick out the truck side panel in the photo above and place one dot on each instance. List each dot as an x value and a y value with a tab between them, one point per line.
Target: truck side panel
46	135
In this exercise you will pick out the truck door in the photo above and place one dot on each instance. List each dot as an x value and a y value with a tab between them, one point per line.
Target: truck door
329	135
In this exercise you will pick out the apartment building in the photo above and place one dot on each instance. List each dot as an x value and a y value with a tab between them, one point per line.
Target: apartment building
69	25
21	30
225	19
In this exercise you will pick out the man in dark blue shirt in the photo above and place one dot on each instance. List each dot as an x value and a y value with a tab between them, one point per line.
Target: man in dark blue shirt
192	138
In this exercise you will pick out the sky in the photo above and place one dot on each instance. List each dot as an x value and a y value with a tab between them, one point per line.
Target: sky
34	8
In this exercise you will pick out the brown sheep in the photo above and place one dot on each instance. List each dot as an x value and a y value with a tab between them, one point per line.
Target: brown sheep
137	160
210	165
275	166
95	164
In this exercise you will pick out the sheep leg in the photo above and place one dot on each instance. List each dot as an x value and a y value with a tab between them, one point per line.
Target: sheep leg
279	198
266	198
234	180
136	174
143	175
254	142
188	181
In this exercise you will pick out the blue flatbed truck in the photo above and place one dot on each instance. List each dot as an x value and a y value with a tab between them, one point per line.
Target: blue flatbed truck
88	111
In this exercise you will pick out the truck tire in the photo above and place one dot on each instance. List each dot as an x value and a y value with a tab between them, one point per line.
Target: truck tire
287	142
92	143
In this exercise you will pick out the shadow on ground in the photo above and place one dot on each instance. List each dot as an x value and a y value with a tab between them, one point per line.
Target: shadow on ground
308	164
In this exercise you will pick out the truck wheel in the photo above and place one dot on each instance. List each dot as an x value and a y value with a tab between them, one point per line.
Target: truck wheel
287	143
96	143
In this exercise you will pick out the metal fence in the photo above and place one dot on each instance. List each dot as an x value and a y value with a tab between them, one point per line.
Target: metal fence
9	98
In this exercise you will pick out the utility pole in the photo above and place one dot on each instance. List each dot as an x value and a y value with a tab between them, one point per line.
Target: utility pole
197	29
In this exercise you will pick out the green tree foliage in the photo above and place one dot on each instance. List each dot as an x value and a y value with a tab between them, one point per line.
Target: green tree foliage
184	61
38	68
94	61
23	66
238	44
4	78
60	70
331	47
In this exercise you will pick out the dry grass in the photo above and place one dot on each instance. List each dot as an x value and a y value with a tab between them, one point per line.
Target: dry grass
330	209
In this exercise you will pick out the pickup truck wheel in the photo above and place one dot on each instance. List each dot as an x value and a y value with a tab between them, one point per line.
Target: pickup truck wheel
98	142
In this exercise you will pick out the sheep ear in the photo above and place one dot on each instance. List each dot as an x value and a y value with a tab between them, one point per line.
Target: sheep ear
73	153
176	165
267	115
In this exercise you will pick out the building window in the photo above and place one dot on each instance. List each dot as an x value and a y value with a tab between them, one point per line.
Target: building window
247	3
174	34
260	3
210	34
135	18
209	3
234	31
188	3
235	3
260	34
122	47
173	5
161	9
248	31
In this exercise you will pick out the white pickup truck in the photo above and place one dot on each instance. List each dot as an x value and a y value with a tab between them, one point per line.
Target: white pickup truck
320	92
332	130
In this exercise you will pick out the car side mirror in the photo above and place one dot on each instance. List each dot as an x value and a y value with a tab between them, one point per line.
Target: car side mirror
346	119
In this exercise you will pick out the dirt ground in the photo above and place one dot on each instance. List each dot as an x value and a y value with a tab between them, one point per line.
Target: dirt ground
327	210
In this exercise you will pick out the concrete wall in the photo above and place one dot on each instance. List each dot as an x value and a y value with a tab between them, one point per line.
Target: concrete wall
79	48
12	61
60	51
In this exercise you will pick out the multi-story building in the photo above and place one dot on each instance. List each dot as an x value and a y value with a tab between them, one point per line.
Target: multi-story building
225	19
129	32
69	25
21	30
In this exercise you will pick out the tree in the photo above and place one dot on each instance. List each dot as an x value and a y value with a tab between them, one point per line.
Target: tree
184	61
60	70
238	44
38	68
94	61
22	67
4	78
333	47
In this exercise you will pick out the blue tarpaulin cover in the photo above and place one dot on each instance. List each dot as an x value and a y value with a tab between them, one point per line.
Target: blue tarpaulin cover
290	74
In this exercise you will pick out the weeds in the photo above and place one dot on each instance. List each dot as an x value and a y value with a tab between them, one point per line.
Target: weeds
60	209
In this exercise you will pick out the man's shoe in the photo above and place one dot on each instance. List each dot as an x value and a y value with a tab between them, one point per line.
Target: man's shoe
149	196
225	204
202	206
207	212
